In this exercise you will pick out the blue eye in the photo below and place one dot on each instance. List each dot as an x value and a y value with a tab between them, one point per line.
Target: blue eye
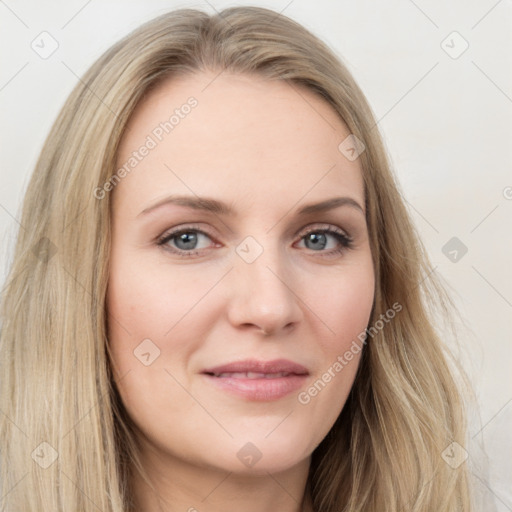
318	239
185	241
189	241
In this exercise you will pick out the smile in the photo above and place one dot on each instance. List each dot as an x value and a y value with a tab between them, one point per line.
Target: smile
252	375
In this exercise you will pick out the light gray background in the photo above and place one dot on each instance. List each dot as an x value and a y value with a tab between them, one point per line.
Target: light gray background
446	120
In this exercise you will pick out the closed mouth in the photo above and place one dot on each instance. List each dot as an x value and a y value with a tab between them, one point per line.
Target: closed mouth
258	380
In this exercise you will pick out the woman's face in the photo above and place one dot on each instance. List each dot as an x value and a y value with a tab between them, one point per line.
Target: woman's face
231	295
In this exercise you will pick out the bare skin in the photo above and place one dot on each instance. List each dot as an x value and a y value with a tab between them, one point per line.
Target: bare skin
265	149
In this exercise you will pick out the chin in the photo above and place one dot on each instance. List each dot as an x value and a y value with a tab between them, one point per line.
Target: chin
257	455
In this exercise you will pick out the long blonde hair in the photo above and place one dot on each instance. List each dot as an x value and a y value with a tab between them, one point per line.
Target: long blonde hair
66	443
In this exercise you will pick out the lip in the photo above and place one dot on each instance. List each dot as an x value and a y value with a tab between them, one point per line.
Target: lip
265	382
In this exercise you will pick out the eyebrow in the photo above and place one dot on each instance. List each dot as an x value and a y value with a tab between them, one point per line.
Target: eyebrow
220	208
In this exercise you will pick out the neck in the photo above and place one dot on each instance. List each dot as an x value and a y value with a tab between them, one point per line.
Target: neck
175	485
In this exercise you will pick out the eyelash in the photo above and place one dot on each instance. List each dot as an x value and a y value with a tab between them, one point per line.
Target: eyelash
346	242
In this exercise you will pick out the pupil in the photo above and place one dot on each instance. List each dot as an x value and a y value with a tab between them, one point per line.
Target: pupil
189	239
318	240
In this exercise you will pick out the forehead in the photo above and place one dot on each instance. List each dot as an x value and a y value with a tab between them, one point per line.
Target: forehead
241	138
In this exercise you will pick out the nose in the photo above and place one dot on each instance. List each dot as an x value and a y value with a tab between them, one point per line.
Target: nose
262	294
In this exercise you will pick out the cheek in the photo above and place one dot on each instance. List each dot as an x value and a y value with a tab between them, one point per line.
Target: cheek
158	318
343	311
343	304
148	300
147	335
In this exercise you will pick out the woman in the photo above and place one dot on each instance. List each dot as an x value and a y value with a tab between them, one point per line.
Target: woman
221	302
